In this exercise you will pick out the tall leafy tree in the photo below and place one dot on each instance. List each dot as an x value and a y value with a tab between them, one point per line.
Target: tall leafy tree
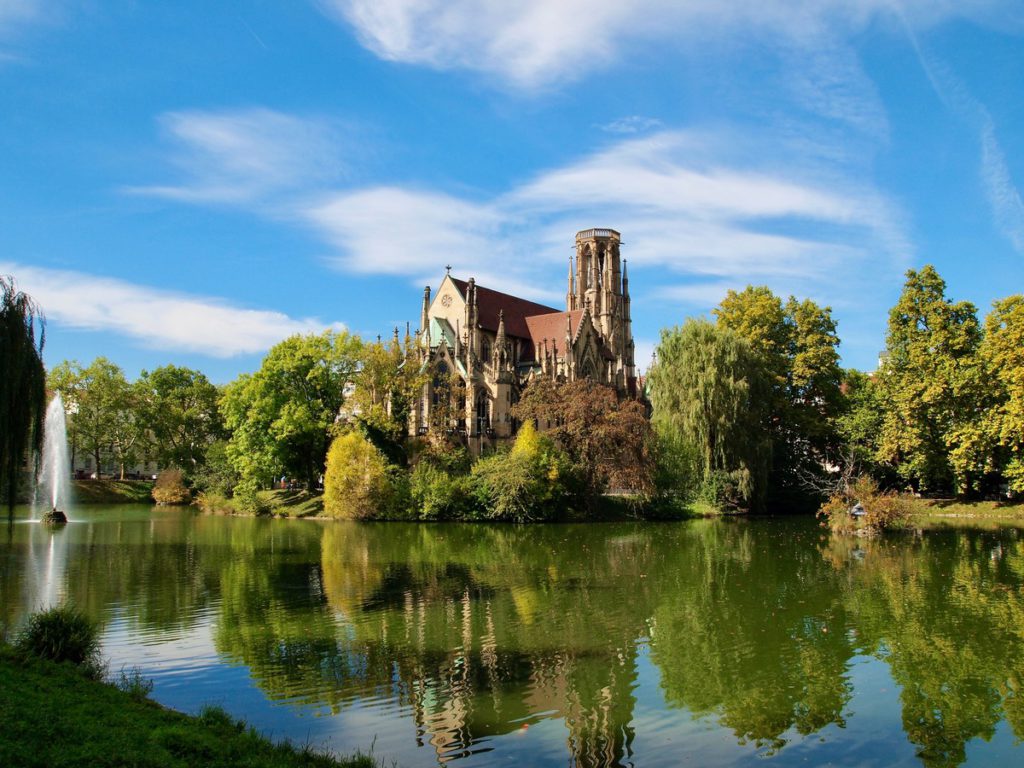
1002	352
931	383
103	410
178	407
711	391
22	385
608	441
281	417
797	345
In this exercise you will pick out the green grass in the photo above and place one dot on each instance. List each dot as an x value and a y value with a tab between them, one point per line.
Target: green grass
278	503
112	491
54	716
960	508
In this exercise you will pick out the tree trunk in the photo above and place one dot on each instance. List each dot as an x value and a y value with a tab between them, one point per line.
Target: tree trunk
96	455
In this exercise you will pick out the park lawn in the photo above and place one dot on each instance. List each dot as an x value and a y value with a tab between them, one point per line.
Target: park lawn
960	508
293	503
55	717
112	491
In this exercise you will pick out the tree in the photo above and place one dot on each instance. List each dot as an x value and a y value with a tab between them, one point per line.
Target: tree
22	385
609	441
931	384
178	406
710	391
281	417
1002	352
797	345
358	483
104	411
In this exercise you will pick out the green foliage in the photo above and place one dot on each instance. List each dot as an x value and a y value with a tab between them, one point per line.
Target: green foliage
931	385
62	634
215	474
178	407
438	494
708	390
797	346
170	488
359	484
384	388
133	683
281	417
22	385
534	481
103	412
1003	354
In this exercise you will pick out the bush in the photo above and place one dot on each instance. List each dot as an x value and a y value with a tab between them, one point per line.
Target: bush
170	488
62	634
133	683
532	482
359	484
882	510
436	494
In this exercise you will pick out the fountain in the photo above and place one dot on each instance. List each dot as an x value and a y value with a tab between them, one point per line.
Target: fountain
55	477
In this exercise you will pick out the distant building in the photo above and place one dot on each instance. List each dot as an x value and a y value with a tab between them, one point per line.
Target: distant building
497	344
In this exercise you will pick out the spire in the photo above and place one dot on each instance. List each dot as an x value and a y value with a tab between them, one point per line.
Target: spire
424	321
570	290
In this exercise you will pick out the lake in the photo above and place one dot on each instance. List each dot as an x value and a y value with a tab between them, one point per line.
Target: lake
710	643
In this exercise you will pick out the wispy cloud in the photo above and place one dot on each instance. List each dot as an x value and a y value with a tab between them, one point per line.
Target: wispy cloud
689	205
244	155
1003	195
158	319
710	206
534	43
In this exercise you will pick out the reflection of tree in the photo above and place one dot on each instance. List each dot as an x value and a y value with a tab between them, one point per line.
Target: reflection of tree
748	632
946	612
492	626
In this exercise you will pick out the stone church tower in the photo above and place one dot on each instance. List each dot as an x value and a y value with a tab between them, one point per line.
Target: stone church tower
496	344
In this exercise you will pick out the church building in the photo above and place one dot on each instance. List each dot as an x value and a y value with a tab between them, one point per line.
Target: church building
497	344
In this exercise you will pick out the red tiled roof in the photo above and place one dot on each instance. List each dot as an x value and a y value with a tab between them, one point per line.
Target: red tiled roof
491	302
552	326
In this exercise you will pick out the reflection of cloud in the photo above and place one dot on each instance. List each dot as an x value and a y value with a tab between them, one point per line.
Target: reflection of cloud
160	319
242	155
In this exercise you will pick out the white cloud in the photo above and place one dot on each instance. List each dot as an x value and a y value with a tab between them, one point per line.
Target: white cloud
688	204
245	155
534	43
158	319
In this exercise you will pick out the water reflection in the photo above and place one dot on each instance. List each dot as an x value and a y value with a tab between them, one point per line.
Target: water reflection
474	634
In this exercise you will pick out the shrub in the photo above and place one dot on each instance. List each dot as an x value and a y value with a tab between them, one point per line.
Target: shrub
133	683
882	510
436	494
62	634
359	484
170	488
534	481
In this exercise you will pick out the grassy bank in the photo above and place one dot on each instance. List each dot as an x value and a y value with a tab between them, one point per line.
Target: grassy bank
53	715
112	491
960	508
276	503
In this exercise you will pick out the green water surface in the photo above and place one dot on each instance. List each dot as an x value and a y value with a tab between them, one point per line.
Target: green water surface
720	642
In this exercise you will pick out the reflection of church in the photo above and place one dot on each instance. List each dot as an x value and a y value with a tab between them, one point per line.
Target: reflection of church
496	344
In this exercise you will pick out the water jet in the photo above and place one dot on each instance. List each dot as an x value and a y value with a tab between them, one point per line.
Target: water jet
55	474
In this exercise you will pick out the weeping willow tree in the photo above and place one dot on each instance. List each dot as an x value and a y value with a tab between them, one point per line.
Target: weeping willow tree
22	386
711	394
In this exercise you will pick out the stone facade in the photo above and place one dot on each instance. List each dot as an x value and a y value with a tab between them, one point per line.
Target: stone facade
497	344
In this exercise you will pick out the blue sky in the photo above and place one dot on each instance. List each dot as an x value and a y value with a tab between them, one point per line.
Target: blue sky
191	182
